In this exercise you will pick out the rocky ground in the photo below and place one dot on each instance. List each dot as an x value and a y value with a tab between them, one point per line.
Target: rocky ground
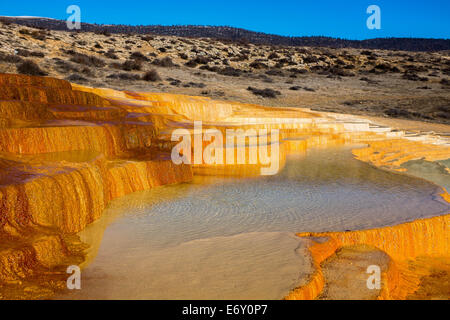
388	84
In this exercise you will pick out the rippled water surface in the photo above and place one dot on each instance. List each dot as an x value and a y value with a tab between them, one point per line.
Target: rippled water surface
233	238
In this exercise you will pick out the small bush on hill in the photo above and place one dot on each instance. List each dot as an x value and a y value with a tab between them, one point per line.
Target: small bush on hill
164	62
87	60
10	58
151	76
138	56
131	65
266	93
30	68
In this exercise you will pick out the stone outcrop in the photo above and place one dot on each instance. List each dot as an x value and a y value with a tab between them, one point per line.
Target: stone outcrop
66	151
404	244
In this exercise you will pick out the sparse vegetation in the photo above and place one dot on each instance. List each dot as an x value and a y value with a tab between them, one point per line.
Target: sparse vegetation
29	67
91	58
130	65
124	76
151	75
9	58
165	62
138	56
111	55
87	60
26	53
76	78
36	34
266	93
230	71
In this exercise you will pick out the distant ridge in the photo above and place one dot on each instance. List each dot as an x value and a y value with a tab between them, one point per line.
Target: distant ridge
241	35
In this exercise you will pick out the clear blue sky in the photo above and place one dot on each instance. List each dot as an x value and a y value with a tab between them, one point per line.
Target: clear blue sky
338	18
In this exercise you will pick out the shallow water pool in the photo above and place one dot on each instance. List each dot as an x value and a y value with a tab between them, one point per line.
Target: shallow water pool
233	238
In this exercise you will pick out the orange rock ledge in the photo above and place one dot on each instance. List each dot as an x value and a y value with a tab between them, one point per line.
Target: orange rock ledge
66	151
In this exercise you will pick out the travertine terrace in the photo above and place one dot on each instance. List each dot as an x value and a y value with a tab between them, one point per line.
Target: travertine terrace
66	151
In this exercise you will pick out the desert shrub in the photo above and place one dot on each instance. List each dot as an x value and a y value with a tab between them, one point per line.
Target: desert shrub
386	67
198	60
369	81
164	62
111	55
26	53
124	76
138	56
29	67
337	72
266	79
296	88
212	69
174	82
191	64
116	65
275	72
186	41
413	77
162	50
397	113
87	72
445	82
266	93
258	65
202	60
75	77
183	56
147	38
240	58
10	58
87	60
103	32
98	46
415	68
131	65
297	70
65	66
151	75
229	71
70	52
38	34
194	85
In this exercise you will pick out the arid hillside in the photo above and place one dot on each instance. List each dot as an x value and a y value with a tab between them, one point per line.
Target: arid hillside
389	84
240	35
